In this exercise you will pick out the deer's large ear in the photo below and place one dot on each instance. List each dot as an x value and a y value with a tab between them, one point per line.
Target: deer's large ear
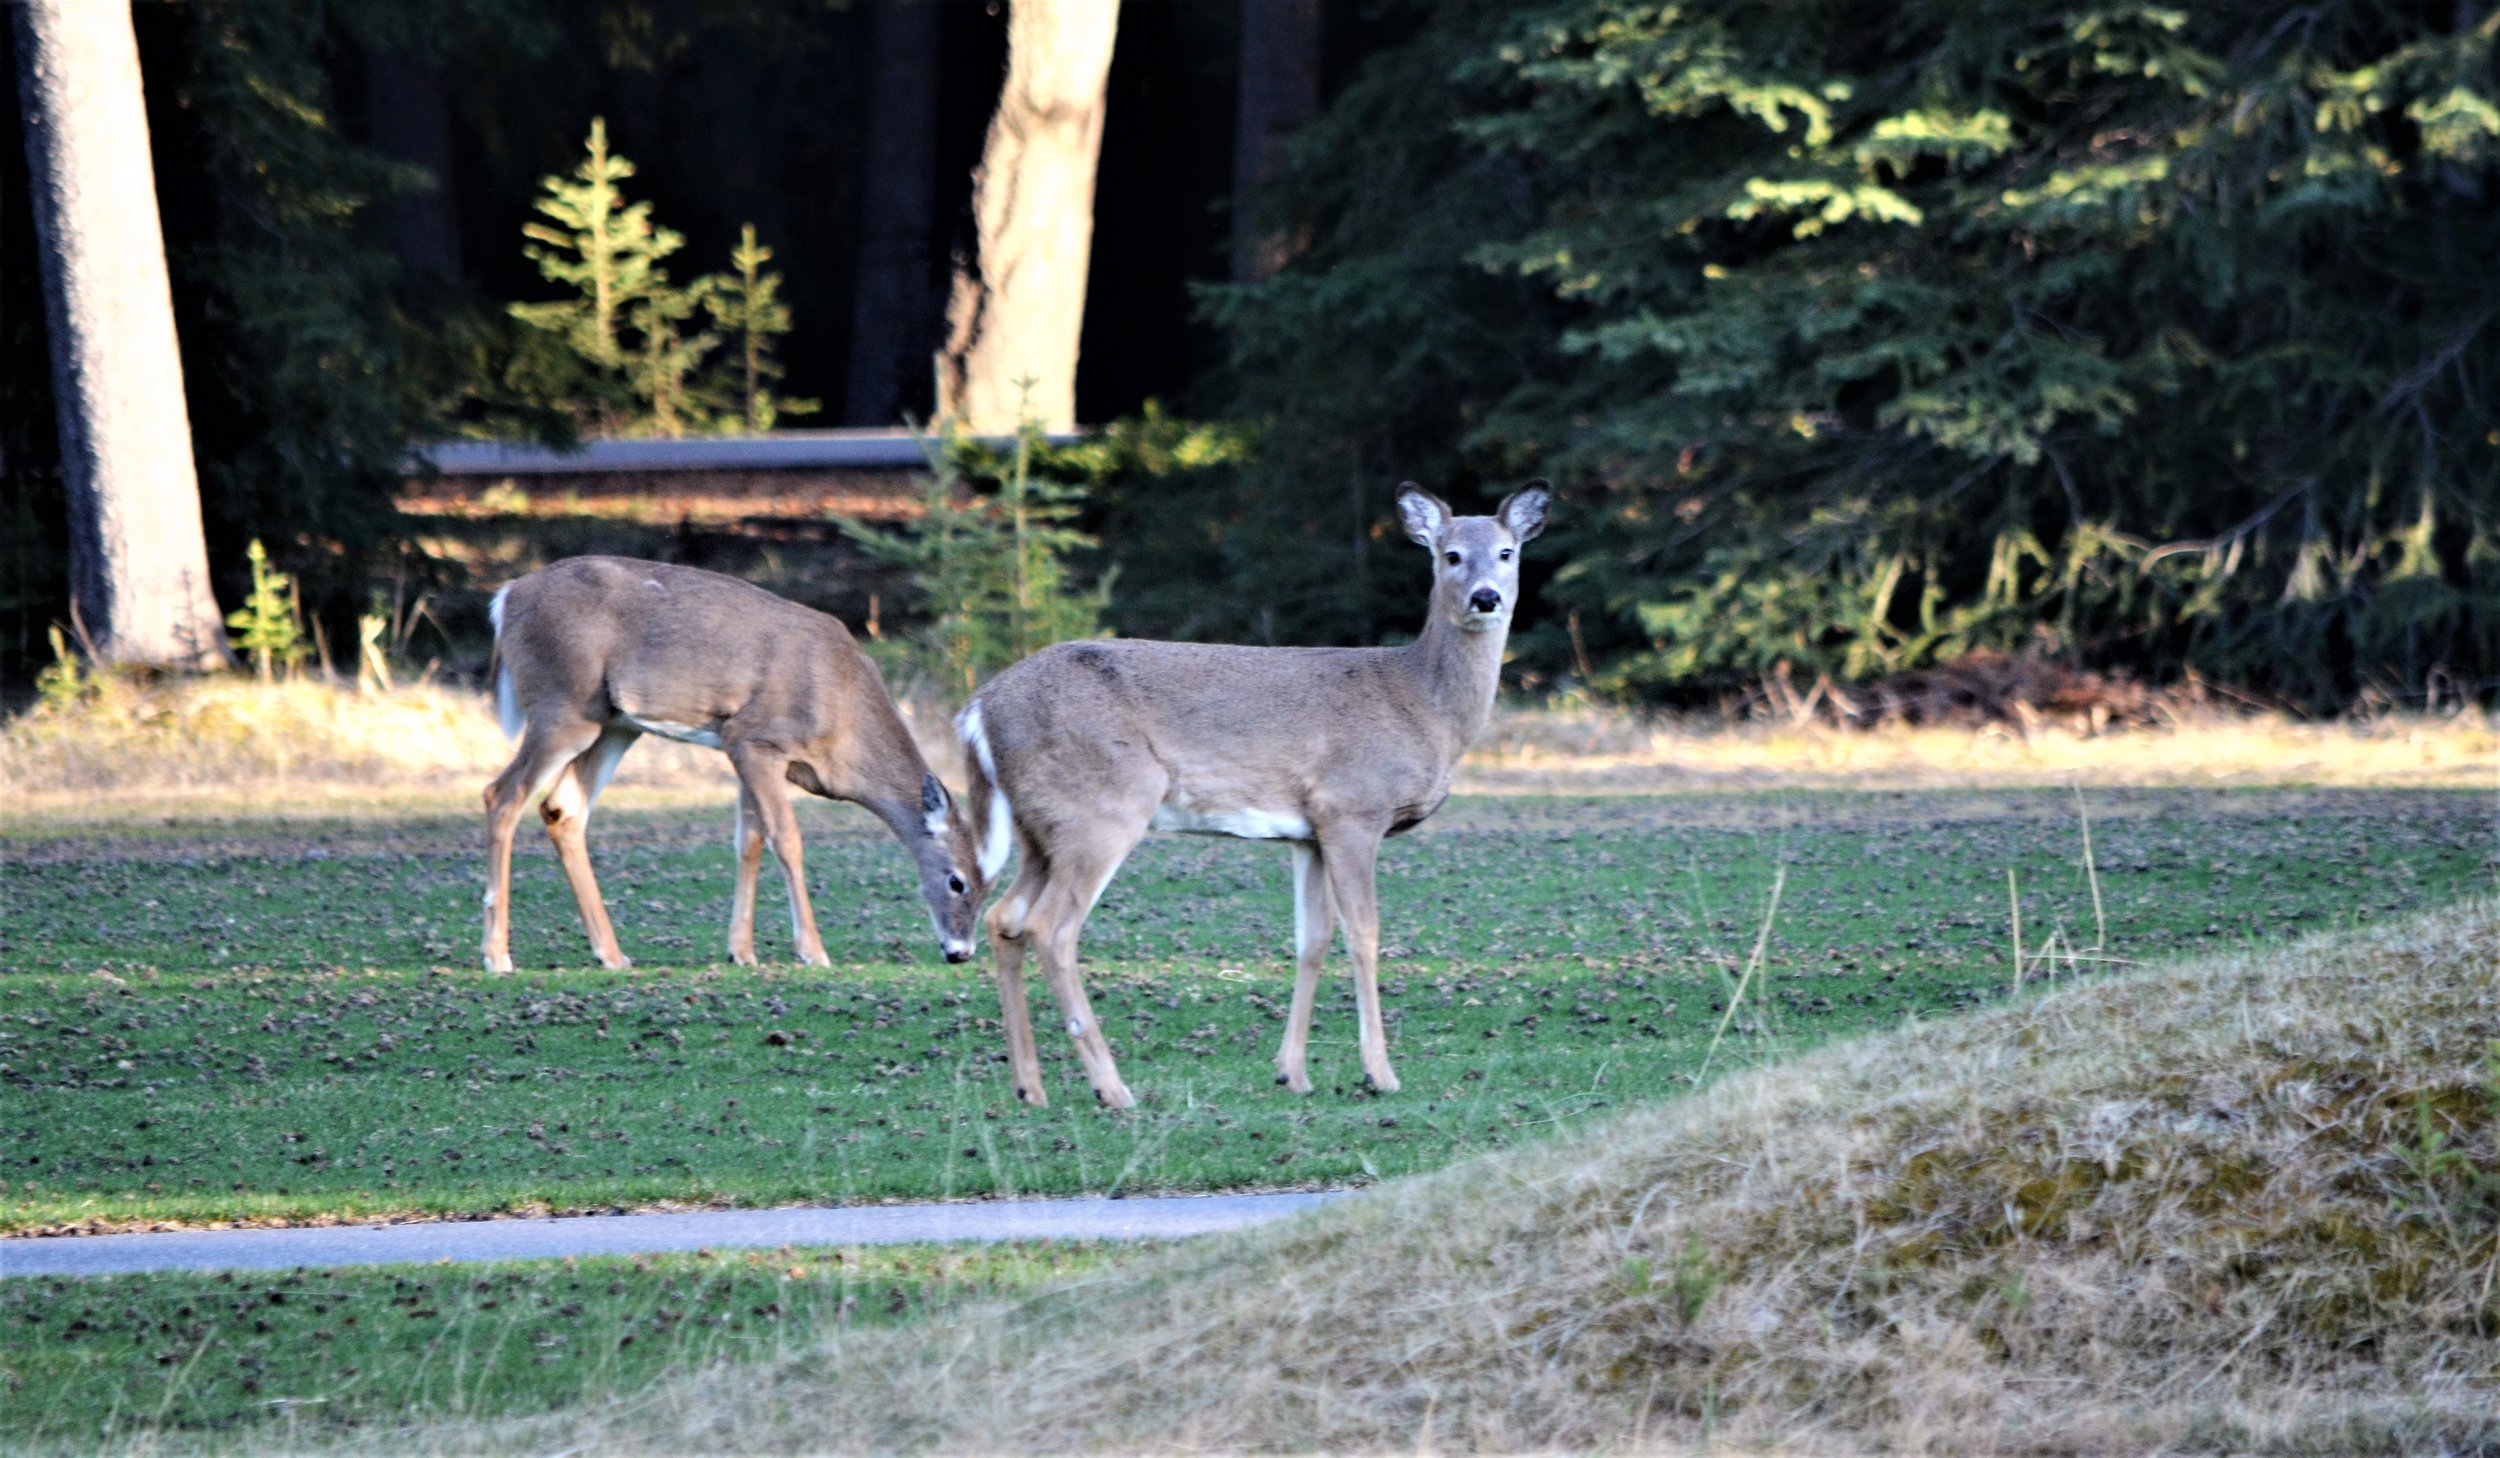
1523	511
1423	513
933	804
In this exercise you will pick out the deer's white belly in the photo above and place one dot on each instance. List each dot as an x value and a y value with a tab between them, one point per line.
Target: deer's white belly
683	733
1246	824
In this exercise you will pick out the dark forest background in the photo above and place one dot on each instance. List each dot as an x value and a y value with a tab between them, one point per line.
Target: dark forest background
1859	335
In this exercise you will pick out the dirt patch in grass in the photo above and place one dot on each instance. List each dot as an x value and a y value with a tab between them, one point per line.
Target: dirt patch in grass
2242	1205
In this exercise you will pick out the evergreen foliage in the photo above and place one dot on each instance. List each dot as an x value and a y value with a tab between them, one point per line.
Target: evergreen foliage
269	626
304	359
1877	335
603	248
646	368
991	559
64	682
746	306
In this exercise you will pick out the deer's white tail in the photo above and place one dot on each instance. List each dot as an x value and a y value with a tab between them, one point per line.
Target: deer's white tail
507	702
996	819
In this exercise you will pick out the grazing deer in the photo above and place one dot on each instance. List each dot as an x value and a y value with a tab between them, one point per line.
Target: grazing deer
1082	748
592	653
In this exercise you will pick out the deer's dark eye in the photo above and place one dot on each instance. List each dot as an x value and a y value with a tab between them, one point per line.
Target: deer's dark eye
954	883
1450	557
1506	554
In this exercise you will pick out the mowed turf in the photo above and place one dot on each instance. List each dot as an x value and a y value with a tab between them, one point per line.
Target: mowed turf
256	1021
97	1361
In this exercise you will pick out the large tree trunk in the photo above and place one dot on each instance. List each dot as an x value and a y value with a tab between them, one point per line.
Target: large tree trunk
138	563
1278	92
408	115
894	301
1017	309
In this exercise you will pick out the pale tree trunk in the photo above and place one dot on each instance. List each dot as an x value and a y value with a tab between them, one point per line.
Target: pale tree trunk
138	563
1017	309
1278	92
894	302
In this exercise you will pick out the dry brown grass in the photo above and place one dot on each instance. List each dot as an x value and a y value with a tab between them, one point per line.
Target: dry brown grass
1602	749
228	734
230	742
2248	1204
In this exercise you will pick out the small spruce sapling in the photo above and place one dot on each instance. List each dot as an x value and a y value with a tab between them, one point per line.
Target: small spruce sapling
65	681
746	306
624	319
268	626
665	373
992	567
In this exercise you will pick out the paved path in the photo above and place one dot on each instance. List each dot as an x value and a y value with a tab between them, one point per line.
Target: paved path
581	1235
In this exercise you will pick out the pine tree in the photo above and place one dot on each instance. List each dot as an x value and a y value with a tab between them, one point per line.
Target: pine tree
625	318
269	626
666	370
992	568
746	305
1876	335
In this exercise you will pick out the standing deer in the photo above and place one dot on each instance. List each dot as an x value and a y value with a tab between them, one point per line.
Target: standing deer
594	652
1082	748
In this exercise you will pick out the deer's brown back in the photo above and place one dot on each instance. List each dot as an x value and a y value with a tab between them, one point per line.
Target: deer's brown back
1271	729
653	641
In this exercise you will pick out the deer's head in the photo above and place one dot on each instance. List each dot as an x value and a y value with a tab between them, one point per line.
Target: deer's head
950	870
1475	559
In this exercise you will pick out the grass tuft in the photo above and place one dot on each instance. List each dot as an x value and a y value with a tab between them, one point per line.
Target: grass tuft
2242	1204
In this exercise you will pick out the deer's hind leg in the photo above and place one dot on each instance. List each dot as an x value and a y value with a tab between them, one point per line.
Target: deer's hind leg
544	754
1314	921
1078	874
1008	938
567	813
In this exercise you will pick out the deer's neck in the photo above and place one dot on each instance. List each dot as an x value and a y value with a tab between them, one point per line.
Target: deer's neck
1458	672
881	772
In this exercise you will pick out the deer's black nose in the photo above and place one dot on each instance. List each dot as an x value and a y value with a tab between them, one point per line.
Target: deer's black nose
1485	600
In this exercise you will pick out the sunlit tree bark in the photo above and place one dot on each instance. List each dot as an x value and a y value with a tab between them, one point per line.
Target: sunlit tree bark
138	562
1018	307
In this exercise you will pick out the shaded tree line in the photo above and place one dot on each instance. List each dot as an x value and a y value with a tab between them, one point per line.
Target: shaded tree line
344	187
1874	334
1863	334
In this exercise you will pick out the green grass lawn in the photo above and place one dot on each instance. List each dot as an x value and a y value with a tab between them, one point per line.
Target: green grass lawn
205	1022
109	1361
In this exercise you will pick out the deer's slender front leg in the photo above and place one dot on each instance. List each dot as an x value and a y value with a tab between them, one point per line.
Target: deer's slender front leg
567	814
542	756
1349	864
762	776
748	841
1313	923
